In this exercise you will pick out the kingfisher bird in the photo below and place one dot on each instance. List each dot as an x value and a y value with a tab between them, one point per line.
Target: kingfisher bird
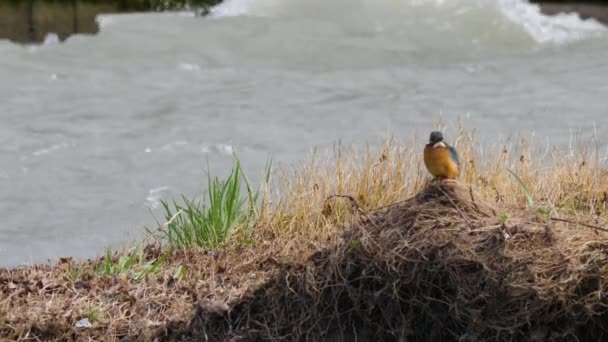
440	158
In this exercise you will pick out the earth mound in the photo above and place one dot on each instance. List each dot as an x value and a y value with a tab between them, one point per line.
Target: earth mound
441	266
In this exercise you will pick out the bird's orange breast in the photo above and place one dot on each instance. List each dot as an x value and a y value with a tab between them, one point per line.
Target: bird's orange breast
439	162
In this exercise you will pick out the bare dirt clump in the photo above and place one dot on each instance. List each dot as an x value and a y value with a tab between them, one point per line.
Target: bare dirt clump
441	266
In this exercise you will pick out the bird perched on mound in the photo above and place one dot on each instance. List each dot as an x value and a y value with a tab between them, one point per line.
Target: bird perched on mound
440	158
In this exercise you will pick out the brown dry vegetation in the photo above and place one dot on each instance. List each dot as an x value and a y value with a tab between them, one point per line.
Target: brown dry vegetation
397	260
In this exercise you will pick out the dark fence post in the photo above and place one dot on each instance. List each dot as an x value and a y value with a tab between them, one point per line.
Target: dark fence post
30	20
75	16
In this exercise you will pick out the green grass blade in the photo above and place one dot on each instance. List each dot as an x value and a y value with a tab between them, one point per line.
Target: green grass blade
524	188
210	222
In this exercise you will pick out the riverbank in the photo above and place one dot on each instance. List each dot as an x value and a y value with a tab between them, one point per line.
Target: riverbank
31	21
597	11
513	254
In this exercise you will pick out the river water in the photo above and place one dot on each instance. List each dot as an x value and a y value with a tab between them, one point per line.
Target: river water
95	130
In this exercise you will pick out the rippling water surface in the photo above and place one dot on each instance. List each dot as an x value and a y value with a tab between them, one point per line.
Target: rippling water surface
95	130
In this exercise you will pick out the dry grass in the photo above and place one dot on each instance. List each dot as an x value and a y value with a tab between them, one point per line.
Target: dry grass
440	266
572	182
298	218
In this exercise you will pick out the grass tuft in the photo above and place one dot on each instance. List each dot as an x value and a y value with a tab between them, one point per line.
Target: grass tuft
210	223
134	264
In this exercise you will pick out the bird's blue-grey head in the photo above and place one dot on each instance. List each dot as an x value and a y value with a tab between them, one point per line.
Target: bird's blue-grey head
436	137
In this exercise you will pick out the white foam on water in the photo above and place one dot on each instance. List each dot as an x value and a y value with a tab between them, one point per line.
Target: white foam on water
224	149
562	28
221	149
50	149
170	147
232	8
51	39
188	67
107	20
486	14
154	196
104	20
